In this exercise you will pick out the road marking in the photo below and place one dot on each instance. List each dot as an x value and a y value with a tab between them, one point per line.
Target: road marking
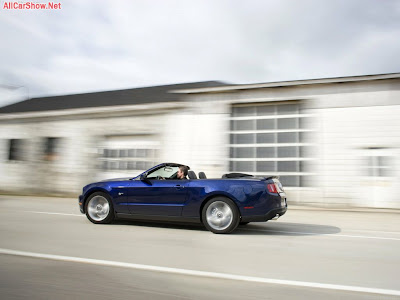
367	237
202	273
53	213
324	234
384	232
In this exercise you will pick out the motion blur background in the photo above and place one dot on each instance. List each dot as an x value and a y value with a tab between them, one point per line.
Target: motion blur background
307	90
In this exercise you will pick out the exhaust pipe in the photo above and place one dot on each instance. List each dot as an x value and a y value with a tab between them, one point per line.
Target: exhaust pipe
276	217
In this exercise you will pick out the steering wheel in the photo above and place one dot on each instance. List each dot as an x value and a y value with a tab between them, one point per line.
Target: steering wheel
160	178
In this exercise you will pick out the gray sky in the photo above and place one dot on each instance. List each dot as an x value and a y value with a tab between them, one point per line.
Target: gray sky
102	45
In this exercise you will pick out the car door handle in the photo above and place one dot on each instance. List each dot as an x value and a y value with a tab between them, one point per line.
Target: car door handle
179	187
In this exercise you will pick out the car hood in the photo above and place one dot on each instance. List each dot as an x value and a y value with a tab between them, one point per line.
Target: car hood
117	179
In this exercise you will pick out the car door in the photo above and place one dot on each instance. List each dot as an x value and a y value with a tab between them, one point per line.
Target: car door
158	197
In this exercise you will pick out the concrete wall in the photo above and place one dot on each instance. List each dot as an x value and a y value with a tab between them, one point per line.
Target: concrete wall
195	135
347	139
77	163
350	123
198	137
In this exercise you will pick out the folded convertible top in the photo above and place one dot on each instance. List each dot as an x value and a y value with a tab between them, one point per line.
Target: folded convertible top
243	175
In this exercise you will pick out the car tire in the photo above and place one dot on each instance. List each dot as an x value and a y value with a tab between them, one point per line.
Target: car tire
220	215
99	208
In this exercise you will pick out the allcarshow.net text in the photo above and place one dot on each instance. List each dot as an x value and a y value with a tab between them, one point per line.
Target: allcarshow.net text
31	5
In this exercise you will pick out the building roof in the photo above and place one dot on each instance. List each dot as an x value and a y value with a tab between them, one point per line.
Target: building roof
228	88
143	95
160	94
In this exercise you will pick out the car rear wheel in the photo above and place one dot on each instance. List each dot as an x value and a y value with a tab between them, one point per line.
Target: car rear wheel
220	215
99	208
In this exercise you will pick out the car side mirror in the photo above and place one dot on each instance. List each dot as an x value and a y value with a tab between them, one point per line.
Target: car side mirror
143	177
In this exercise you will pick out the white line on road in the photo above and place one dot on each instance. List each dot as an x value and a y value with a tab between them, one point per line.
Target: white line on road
202	273
54	213
367	237
384	232
324	234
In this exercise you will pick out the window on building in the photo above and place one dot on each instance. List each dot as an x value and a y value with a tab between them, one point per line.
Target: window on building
379	166
128	153
16	150
51	148
268	139
127	159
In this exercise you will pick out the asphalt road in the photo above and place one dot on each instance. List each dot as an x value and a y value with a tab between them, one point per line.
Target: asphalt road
50	251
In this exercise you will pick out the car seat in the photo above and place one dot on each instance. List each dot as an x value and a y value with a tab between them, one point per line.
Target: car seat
202	175
192	175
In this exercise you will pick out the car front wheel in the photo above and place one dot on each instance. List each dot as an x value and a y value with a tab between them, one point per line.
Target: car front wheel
220	215
99	208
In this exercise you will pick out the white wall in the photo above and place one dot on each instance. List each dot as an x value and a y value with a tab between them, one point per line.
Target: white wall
344	139
199	141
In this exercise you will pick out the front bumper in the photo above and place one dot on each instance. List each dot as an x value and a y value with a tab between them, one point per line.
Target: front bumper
81	204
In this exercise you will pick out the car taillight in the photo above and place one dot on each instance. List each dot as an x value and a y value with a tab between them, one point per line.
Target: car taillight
275	187
272	188
278	186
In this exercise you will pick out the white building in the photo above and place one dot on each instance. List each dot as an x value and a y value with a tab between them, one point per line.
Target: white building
332	141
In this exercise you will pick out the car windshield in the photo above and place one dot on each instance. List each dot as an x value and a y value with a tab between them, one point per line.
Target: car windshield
164	172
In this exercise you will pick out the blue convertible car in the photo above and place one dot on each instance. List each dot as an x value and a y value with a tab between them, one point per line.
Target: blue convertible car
157	194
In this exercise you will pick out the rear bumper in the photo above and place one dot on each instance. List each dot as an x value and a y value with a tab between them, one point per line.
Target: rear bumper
268	216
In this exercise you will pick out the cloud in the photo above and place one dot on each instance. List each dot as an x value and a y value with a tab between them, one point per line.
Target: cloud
101	45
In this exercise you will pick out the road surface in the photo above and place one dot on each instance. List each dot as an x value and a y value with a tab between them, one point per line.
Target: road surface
48	250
